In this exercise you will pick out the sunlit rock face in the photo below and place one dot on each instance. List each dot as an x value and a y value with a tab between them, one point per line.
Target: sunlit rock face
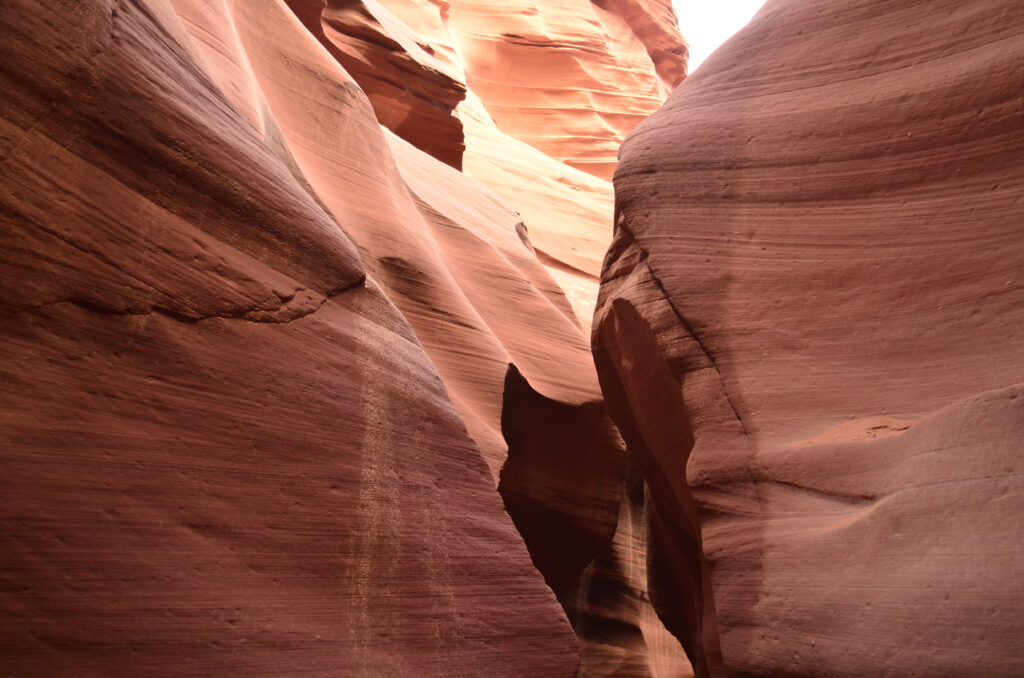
570	78
480	286
810	335
530	98
284	381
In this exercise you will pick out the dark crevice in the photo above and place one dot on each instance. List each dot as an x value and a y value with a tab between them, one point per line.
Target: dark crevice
646	401
645	260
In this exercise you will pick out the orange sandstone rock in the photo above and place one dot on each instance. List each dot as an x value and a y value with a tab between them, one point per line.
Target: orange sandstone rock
539	96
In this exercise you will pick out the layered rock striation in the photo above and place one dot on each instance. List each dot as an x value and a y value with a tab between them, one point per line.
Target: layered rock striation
225	450
811	336
284	381
530	99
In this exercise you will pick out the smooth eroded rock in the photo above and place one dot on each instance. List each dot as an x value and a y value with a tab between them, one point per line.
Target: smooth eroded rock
224	450
818	255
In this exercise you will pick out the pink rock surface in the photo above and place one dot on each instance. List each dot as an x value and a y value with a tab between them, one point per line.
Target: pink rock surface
530	99
412	93
461	265
224	450
810	336
569	77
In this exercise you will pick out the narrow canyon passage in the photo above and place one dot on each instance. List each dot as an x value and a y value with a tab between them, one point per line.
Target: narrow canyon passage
341	337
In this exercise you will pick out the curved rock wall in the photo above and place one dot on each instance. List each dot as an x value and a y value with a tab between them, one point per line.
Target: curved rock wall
224	448
810	335
531	99
260	352
569	78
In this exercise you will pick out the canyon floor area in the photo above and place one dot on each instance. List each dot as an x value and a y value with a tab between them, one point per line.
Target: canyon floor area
480	338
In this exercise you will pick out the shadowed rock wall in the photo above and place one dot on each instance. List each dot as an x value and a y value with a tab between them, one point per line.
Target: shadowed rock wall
811	335
224	449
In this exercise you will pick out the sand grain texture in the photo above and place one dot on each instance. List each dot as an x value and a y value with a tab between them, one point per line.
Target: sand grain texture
811	335
256	331
225	450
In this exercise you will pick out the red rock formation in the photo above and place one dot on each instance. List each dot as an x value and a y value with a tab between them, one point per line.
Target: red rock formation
558	82
810	335
249	329
461	267
224	449
569	77
412	93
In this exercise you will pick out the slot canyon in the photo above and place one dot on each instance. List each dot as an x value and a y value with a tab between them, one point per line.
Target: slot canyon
473	338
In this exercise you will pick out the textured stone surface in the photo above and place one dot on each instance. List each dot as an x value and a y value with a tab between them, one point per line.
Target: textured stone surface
610	605
224	450
569	77
250	310
810	335
477	288
412	92
539	90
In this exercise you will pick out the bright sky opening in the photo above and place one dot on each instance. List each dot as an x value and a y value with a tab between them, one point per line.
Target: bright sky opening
706	24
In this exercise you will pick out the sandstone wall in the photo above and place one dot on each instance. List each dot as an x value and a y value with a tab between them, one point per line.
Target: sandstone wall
269	361
811	336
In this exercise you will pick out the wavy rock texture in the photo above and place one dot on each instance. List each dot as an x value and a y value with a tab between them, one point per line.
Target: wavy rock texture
531	99
412	92
569	78
810	336
249	330
458	262
225	451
